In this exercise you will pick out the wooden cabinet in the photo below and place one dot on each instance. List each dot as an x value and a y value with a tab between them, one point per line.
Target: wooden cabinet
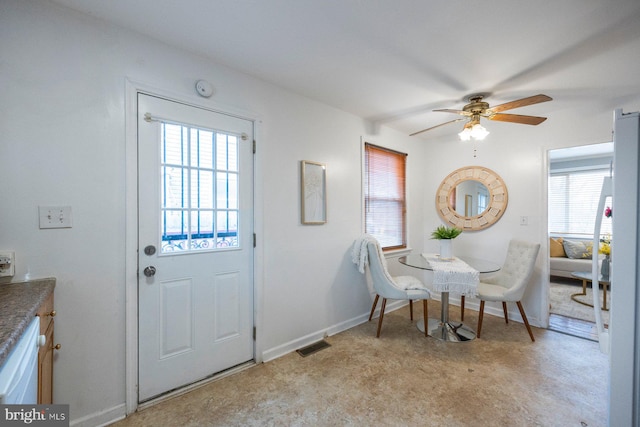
45	354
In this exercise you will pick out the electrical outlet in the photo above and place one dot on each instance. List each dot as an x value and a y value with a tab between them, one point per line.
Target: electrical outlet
7	263
55	216
524	220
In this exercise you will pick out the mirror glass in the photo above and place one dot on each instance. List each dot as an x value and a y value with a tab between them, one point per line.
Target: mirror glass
471	198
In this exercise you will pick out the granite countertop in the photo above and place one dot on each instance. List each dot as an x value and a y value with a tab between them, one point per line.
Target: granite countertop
19	303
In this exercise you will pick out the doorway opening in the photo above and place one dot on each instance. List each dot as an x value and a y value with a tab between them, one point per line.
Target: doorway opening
575	177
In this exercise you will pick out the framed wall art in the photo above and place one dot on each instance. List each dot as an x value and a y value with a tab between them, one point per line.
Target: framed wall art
313	185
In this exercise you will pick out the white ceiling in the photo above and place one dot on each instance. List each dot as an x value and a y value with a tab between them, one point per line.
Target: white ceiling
393	61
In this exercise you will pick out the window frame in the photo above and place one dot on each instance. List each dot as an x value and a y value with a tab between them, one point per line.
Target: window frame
574	172
402	200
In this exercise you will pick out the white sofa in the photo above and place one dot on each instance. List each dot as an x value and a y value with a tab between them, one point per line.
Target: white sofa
563	266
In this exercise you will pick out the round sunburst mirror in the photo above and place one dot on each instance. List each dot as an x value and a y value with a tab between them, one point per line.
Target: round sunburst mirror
472	198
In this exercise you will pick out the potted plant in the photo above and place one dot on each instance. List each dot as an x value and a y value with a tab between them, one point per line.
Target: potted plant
446	235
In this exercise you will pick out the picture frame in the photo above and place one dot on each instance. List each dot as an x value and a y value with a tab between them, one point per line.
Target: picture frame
313	192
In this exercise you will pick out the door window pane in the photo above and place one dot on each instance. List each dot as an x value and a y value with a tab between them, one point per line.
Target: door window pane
201	189
174	235
202	230
227	152
174	147
227	229
198	212
173	185
202	152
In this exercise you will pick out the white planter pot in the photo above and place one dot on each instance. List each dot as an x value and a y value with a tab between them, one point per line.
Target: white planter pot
446	248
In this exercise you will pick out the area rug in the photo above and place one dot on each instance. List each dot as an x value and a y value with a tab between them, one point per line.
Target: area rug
563	305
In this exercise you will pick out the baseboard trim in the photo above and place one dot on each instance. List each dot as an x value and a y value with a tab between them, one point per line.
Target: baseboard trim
101	418
293	345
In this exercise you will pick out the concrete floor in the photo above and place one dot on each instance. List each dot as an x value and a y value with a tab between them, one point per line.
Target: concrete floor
405	379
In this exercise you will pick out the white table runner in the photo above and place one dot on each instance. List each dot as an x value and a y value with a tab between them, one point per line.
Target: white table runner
453	275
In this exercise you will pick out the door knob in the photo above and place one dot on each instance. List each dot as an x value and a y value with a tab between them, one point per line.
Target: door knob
150	271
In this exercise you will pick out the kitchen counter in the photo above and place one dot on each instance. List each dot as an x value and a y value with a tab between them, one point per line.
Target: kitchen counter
19	303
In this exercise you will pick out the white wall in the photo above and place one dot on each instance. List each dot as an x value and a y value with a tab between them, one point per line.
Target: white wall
62	138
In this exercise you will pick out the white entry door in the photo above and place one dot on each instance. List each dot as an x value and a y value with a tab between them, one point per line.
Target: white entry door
195	262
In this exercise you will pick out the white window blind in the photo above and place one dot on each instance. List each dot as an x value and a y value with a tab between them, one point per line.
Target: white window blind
573	201
385	198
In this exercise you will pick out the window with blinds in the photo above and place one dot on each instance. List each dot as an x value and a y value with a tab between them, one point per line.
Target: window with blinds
573	201
385	196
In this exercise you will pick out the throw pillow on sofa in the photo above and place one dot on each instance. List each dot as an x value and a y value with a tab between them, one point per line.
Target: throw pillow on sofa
577	249
555	248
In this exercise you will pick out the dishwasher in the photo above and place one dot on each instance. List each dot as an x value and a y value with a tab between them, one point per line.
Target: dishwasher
19	373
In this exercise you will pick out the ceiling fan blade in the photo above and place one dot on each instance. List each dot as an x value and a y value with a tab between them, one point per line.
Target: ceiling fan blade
536	99
436	126
517	118
448	110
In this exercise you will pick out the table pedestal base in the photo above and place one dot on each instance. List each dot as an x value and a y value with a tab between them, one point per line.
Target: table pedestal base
584	292
447	331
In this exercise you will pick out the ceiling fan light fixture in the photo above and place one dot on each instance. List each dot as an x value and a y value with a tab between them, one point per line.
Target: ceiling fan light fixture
473	129
465	135
478	132
477	108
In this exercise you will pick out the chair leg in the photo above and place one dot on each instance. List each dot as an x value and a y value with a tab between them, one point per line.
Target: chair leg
384	304
373	307
526	322
462	308
480	315
425	311
411	309
504	308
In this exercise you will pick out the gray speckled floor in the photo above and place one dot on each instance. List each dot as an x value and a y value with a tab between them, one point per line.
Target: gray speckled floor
405	379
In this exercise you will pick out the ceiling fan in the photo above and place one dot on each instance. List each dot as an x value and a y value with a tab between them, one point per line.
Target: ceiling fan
477	108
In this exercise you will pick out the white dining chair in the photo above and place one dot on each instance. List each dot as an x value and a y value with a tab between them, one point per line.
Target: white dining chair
388	287
509	284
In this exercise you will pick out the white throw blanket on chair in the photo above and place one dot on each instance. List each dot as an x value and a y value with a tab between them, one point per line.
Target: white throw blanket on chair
360	257
359	252
453	276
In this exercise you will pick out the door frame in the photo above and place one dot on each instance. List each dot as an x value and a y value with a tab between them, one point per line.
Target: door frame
132	88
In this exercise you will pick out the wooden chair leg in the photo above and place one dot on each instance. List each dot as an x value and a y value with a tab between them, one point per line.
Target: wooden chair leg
425	311
462	308
480	315
526	322
504	308
373	307
384	304
411	309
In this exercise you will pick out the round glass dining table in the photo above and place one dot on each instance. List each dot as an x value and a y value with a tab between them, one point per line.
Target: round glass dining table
444	329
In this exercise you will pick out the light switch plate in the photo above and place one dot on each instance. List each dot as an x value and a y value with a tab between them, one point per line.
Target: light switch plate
55	216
